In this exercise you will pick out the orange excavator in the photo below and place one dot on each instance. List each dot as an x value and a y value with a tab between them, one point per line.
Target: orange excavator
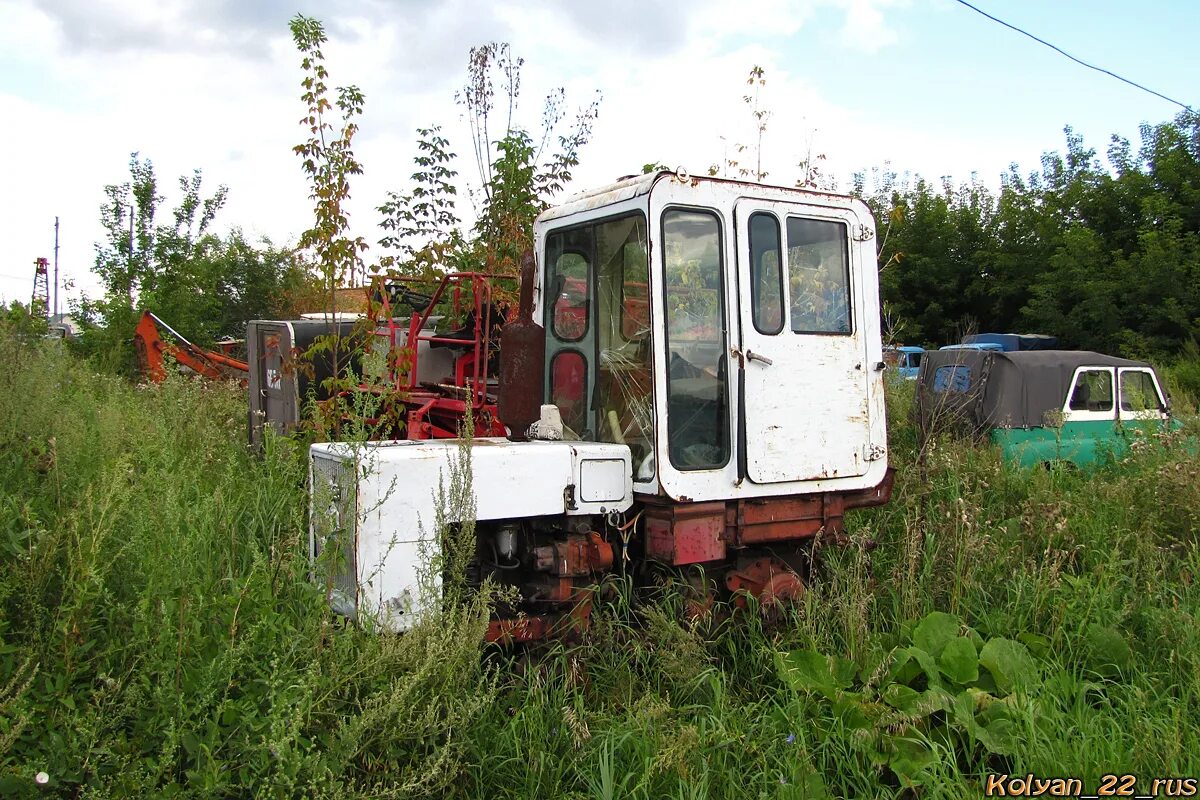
151	348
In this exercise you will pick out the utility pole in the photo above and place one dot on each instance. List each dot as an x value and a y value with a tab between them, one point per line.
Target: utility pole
55	317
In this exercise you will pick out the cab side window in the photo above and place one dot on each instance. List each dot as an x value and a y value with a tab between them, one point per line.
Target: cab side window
766	277
1138	392
1093	391
818	276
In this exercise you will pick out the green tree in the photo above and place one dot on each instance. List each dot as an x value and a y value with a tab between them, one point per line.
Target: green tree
1106	258
423	225
204	284
328	160
23	321
517	175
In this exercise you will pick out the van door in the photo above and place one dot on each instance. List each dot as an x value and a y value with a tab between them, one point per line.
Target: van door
805	373
1141	396
279	409
1142	407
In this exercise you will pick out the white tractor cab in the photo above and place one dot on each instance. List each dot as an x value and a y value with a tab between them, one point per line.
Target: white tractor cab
695	385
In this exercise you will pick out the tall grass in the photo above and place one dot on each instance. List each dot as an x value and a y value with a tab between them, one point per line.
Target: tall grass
161	636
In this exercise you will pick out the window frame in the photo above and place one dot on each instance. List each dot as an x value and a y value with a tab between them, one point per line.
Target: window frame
727	444
588	344
1082	415
755	276
847	275
1147	413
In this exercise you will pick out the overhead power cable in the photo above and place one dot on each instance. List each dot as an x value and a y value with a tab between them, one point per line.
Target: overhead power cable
1073	58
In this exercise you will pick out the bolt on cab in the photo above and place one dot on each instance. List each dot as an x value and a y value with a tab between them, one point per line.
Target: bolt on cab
695	386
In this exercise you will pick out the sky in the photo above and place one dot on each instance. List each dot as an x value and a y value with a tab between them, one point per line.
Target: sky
928	87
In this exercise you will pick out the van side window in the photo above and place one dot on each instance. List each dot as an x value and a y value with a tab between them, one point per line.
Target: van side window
1093	391
952	378
1138	392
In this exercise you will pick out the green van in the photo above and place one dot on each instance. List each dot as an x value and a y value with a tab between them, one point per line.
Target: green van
1042	407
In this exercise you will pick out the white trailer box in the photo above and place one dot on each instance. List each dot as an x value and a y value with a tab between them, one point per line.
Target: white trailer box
378	501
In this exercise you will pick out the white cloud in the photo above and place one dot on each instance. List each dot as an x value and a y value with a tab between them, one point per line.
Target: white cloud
216	86
866	27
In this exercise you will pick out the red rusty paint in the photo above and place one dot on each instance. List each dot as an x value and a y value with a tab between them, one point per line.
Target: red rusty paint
698	539
519	629
151	349
575	556
522	361
876	496
766	578
568	625
660	544
783	587
690	533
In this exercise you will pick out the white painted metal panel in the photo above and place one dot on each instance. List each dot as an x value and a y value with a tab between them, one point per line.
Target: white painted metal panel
604	480
398	489
806	409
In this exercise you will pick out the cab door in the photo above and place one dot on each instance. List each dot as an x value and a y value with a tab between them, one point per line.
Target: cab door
1089	429
273	343
805	369
1142	410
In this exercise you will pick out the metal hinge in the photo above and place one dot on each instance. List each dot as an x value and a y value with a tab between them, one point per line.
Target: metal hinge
873	452
569	497
862	233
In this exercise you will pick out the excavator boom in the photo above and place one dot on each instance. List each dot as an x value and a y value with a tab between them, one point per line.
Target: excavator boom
151	348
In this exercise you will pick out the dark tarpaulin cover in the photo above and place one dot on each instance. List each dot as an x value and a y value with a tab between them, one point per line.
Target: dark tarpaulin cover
1012	342
999	389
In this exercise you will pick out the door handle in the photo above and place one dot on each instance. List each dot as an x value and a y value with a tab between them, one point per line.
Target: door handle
752	356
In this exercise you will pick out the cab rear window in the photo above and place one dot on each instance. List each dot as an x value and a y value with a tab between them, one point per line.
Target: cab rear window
952	378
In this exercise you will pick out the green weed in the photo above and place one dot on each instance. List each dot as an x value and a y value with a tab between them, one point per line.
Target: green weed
160	634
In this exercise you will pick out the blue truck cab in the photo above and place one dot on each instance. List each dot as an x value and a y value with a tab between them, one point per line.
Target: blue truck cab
905	359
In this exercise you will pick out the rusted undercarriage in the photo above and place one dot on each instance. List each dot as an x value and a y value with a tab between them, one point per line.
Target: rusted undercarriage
695	533
734	549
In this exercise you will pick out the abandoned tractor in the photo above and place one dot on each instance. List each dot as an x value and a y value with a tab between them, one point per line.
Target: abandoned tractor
693	385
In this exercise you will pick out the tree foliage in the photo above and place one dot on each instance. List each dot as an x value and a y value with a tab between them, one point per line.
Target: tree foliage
328	158
423	226
518	175
1105	258
206	285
